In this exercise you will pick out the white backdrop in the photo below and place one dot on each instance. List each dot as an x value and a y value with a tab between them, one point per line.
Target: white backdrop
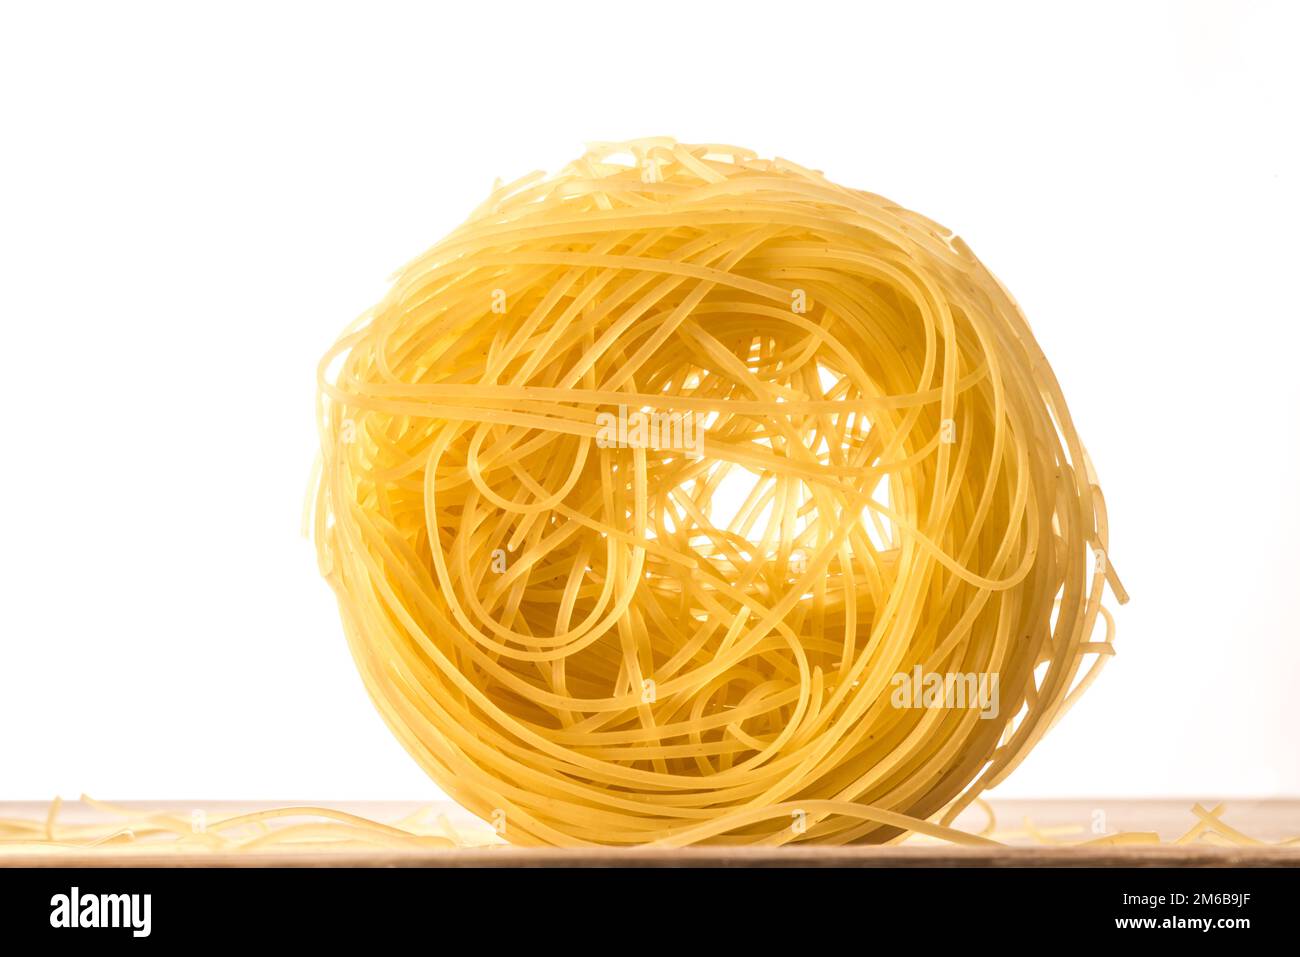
194	203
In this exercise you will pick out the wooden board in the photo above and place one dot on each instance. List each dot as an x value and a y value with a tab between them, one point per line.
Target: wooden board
1022	825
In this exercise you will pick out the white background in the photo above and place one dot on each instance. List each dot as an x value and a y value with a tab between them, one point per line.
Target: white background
193	203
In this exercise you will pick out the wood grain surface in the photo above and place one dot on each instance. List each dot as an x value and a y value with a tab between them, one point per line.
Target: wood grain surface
1028	828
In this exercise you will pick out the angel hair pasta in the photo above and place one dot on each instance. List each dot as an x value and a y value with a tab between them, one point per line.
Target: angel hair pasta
685	496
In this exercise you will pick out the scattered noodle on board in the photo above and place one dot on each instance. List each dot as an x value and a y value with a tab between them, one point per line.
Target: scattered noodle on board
118	829
122	831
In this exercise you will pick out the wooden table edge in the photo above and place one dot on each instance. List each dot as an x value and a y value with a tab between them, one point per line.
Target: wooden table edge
837	857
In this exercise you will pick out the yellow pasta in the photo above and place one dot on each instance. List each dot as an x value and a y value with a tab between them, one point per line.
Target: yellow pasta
327	835
688	497
122	832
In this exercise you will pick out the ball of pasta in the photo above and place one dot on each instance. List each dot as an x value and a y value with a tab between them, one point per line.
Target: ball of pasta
685	496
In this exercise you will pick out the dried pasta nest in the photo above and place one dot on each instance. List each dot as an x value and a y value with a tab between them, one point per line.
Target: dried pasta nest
685	496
